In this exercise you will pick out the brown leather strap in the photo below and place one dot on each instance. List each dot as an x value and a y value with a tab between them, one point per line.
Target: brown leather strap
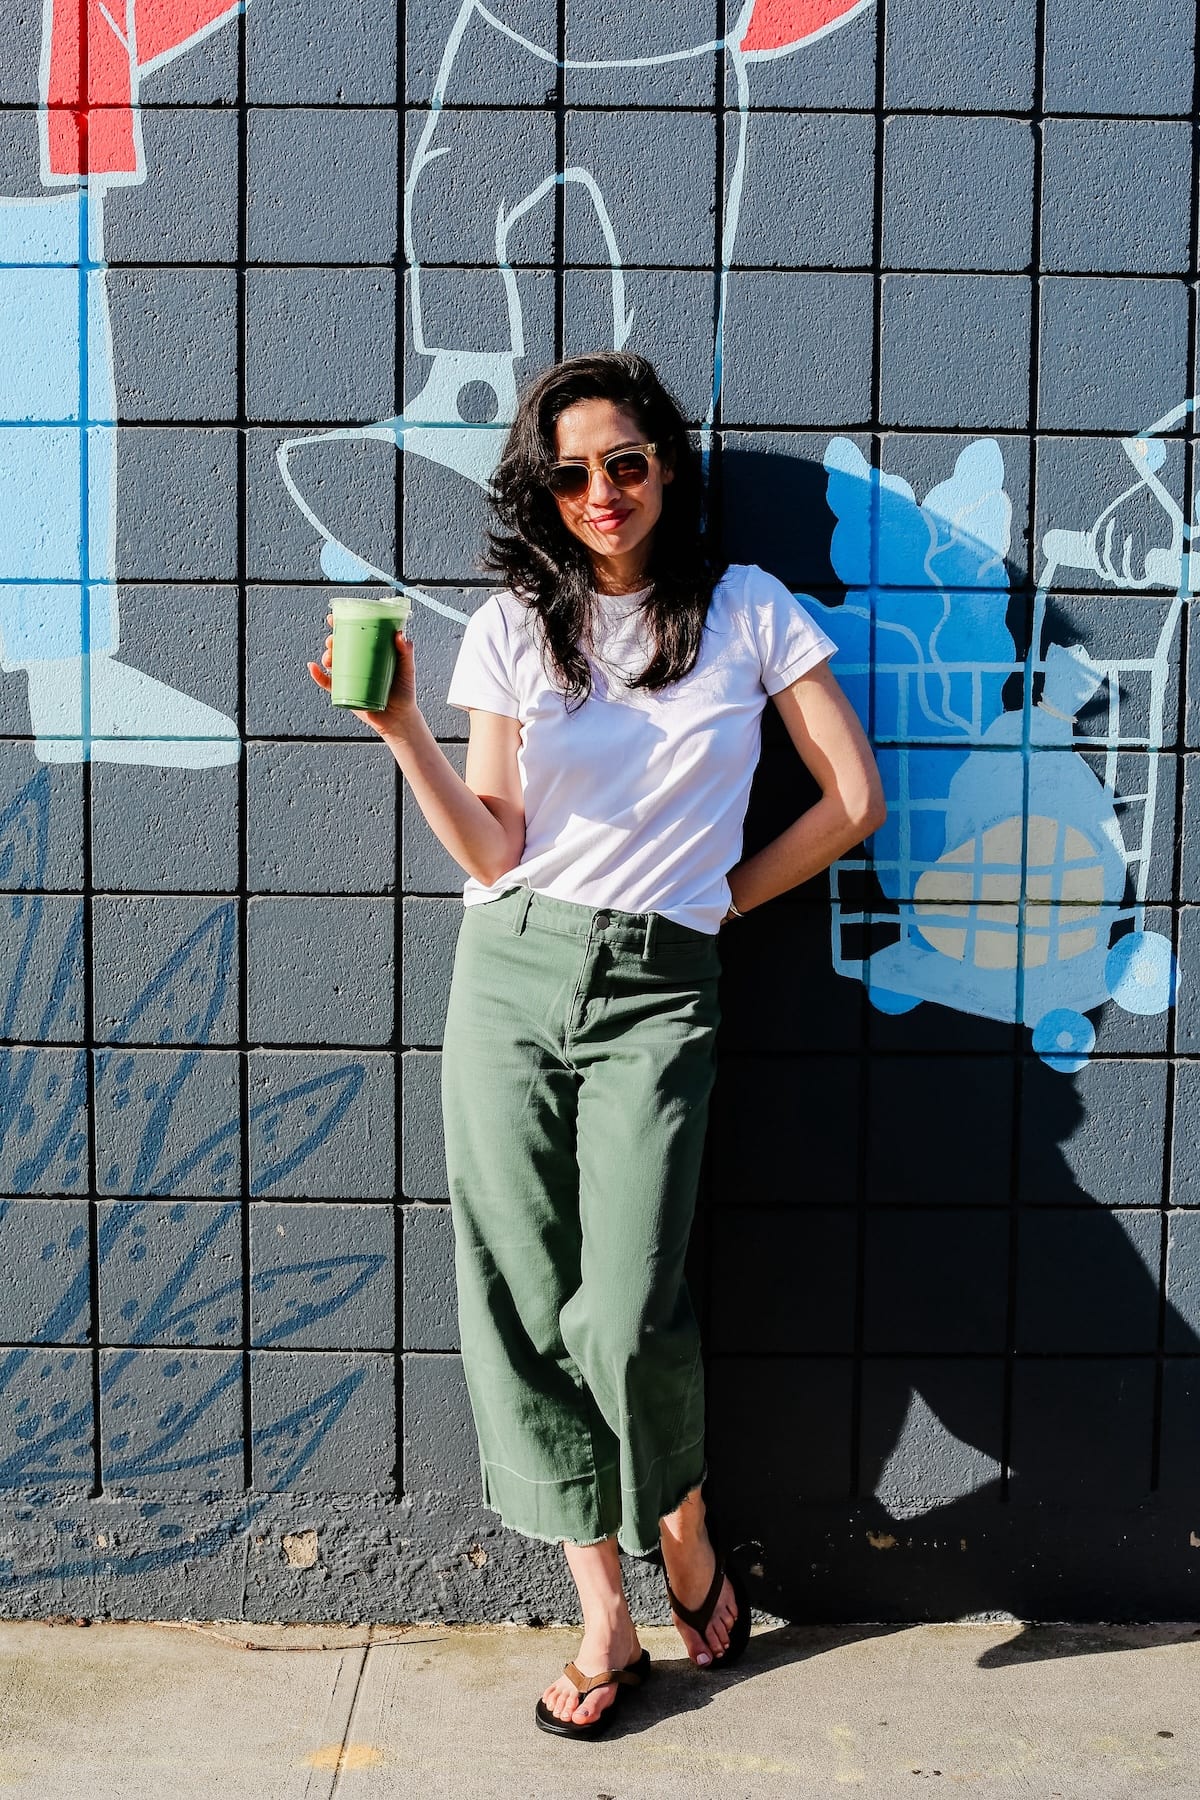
699	1616
585	1683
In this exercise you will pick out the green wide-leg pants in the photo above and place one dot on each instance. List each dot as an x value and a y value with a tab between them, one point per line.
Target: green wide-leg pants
577	1065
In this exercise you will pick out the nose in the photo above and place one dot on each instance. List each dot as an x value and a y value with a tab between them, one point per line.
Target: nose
607	487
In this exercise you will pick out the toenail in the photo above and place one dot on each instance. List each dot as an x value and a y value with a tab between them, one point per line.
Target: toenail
704	1659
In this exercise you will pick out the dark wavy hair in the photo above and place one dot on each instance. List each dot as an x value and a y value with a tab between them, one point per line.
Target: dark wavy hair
547	567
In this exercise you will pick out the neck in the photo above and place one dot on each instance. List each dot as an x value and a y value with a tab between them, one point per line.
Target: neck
620	574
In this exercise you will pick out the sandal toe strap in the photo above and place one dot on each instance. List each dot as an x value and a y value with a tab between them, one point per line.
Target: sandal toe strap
699	1616
585	1683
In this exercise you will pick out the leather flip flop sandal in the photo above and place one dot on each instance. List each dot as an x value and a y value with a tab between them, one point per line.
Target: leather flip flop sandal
630	1676
699	1616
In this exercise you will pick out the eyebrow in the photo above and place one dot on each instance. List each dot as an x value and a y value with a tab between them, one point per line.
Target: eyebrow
626	444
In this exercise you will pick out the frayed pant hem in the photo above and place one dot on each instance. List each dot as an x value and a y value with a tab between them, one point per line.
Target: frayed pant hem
689	1487
543	1537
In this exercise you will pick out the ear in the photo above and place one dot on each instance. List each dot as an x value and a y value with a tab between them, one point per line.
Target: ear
668	471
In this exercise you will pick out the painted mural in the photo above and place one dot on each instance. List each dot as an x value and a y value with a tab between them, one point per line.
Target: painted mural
1012	874
436	423
1004	876
59	603
43	1143
1012	883
1024	915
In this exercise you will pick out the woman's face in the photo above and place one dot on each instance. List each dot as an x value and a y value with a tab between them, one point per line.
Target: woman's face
615	525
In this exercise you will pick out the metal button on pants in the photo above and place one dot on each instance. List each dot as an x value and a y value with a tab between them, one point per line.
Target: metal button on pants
577	1064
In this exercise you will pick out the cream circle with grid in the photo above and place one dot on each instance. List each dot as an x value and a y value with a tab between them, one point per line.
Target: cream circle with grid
971	912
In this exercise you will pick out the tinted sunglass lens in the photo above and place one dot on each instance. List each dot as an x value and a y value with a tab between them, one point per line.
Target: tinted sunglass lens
628	469
569	481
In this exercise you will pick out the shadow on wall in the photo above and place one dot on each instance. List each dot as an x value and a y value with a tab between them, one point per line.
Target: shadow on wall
950	1393
953	1244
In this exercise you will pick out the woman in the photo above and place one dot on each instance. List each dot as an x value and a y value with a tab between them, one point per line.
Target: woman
614	690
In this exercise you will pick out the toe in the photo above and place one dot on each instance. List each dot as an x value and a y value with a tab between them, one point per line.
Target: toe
596	1702
721	1623
561	1700
693	1643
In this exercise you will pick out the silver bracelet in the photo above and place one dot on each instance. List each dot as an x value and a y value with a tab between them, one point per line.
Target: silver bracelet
734	910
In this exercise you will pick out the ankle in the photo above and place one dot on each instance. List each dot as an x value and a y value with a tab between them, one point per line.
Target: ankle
606	1616
596	1571
686	1524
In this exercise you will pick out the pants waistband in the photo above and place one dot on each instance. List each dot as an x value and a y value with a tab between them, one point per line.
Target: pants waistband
642	931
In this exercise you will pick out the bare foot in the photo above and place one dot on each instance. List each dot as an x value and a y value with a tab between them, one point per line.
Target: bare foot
612	1646
690	1561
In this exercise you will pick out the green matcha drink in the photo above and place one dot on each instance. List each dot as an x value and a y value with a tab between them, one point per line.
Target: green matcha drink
364	648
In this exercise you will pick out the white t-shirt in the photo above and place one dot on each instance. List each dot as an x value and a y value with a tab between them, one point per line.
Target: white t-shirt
636	799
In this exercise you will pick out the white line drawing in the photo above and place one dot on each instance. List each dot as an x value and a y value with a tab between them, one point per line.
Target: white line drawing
432	425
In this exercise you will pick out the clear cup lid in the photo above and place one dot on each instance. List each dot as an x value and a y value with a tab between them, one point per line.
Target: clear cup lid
370	606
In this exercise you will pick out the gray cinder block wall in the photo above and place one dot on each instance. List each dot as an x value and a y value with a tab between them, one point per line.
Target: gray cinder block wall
923	278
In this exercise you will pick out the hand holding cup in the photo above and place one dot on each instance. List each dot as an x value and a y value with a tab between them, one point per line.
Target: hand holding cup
376	678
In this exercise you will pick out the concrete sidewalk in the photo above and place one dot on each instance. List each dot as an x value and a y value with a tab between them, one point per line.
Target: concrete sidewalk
159	1712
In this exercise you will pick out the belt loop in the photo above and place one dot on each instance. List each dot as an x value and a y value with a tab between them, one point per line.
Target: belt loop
523	904
651	933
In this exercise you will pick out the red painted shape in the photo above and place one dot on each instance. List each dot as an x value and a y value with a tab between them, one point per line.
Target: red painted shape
779	24
162	24
90	87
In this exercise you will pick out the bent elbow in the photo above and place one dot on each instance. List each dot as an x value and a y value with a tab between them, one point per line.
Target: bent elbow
492	872
866	810
875	814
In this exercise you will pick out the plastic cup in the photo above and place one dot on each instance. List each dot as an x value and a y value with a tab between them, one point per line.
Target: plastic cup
364	648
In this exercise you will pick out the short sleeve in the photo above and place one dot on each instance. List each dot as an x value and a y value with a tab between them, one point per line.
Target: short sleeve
482	673
788	639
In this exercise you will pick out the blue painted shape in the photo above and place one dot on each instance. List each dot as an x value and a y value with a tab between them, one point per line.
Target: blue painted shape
46	1400
340	564
1005	858
1064	1040
191	1246
925	646
195	977
1140	970
40	538
171	1421
62	455
343	1278
884	1001
43	305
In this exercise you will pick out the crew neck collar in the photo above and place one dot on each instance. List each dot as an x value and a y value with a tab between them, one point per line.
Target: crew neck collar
637	594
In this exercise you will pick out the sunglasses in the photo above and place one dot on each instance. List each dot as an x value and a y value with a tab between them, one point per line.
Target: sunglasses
624	468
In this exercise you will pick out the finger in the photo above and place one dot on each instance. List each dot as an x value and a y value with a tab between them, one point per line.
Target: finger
319	676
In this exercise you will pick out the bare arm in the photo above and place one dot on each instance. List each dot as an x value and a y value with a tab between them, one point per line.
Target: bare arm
480	819
833	747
